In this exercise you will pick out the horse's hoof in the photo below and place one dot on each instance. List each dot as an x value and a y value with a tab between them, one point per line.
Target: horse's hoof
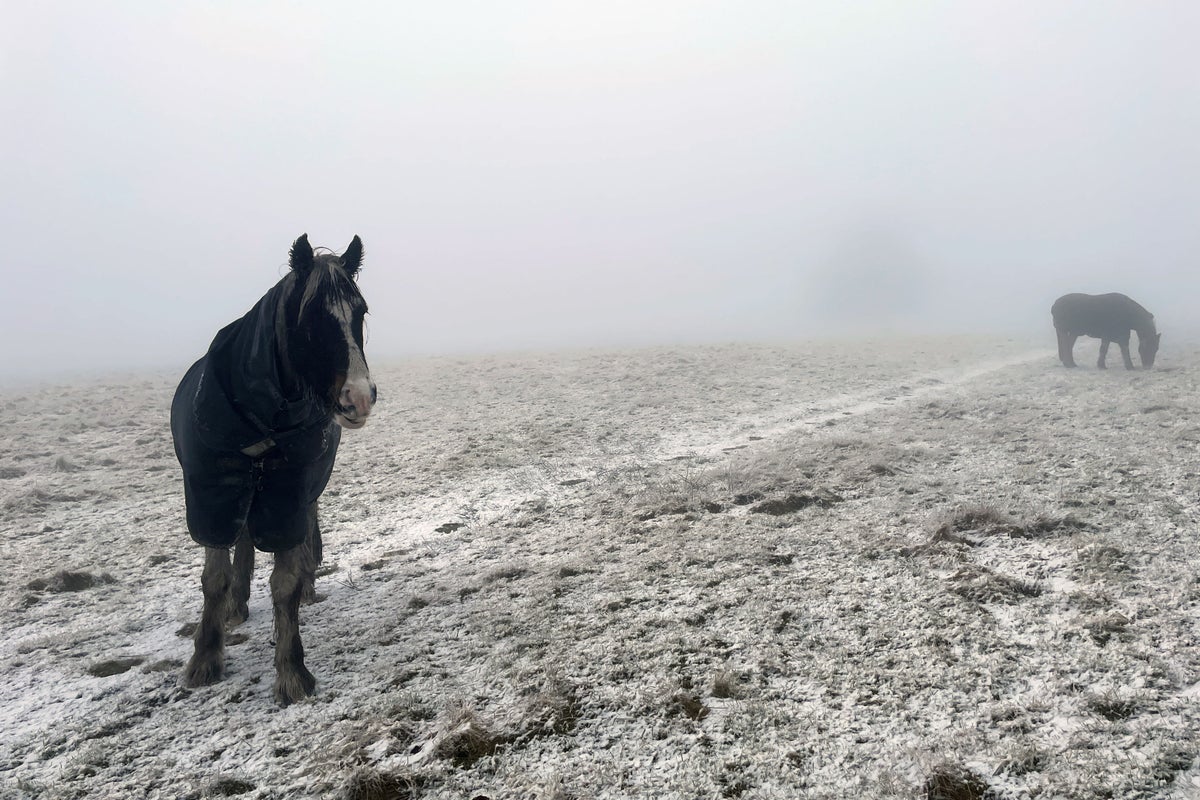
294	685
239	614
202	671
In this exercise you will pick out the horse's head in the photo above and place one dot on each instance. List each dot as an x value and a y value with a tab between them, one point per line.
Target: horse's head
324	314
1148	348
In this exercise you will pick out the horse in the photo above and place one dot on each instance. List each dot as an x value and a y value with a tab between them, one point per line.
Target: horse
256	424
1109	318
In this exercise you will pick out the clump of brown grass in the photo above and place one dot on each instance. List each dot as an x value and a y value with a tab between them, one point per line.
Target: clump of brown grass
553	709
1043	525
984	586
822	498
955	782
1022	760
973	518
369	784
465	737
1105	558
726	685
973	525
230	787
1112	706
68	581
1103	627
689	705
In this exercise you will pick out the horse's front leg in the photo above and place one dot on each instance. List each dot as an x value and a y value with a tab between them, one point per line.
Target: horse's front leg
292	569
1125	356
1103	354
243	571
314	552
208	661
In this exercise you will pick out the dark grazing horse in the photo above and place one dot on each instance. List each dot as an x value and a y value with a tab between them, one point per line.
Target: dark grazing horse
1109	318
256	424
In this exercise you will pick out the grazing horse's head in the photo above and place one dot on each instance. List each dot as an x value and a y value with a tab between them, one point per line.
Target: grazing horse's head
1148	348
324	314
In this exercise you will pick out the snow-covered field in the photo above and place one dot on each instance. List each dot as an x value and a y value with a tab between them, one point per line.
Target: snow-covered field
915	568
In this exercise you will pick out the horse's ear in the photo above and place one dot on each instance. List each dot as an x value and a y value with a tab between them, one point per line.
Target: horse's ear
352	258
301	256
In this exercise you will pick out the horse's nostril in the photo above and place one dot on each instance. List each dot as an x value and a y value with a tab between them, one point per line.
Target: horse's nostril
374	394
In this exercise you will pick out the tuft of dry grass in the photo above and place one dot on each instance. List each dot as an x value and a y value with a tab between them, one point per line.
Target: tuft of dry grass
726	685
370	784
465	737
975	525
822	498
984	586
1105	559
1112	706
689	705
230	787
1044	525
1103	627
955	782
974	518
68	581
553	709
1022	760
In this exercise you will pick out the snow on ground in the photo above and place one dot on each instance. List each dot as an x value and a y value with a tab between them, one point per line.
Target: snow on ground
837	569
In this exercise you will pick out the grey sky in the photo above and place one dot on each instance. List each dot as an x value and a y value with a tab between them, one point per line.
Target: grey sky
558	174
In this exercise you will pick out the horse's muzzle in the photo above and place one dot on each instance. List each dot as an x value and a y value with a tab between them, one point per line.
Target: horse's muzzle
354	403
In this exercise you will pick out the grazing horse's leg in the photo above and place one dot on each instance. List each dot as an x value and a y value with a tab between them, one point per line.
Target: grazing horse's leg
243	570
208	660
1125	356
1066	347
1103	354
292	680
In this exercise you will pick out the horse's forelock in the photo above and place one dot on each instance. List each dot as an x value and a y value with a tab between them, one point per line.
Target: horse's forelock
328	278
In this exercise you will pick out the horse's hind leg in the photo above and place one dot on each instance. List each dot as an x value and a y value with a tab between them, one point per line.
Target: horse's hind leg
1103	354
208	661
243	571
292	570
1066	347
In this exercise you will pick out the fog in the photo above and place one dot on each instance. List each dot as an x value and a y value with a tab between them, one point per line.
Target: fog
558	174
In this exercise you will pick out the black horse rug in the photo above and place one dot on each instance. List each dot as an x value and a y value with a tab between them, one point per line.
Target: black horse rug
252	449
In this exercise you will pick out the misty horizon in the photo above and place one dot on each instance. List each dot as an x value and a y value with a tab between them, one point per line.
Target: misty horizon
543	177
